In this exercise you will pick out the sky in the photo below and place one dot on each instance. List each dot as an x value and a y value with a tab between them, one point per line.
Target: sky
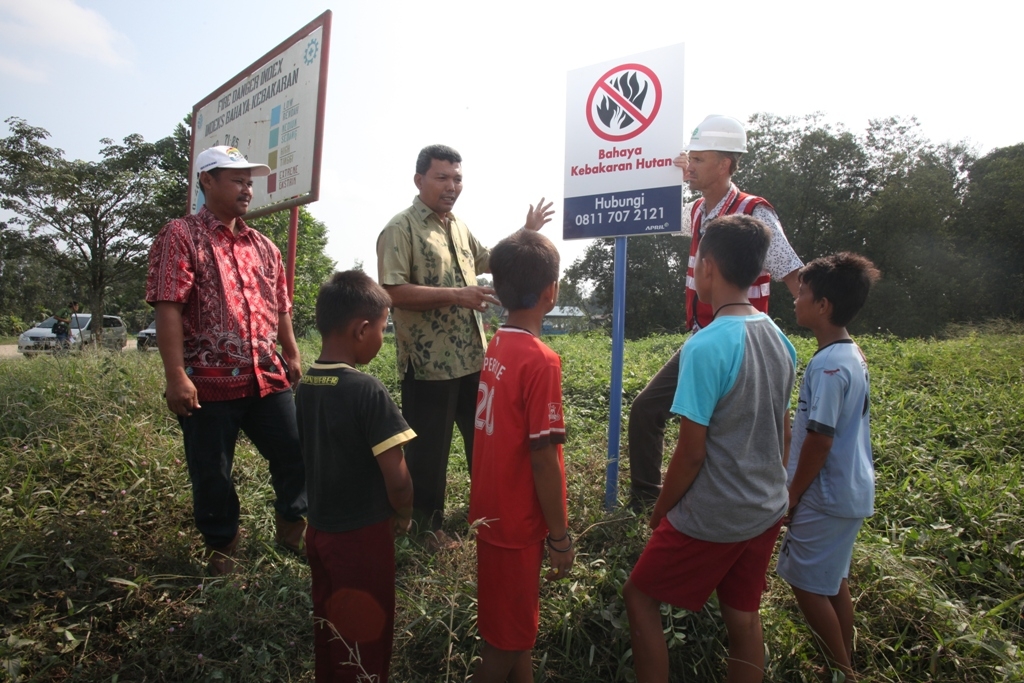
490	80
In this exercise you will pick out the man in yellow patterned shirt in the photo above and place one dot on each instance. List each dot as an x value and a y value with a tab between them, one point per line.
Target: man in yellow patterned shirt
428	261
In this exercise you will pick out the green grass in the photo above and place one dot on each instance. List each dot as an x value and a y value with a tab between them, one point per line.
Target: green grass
101	578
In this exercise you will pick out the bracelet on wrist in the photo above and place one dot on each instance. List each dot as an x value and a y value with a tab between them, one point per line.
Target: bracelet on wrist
566	549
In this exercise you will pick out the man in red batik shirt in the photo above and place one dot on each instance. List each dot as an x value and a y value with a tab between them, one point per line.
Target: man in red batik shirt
222	305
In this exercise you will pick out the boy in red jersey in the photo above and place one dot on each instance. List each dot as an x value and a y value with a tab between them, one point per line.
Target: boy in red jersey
518	486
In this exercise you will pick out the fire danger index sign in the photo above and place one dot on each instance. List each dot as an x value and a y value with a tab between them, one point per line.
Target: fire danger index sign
624	124
624	102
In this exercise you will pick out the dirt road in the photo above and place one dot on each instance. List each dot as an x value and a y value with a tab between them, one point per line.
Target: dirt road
11	350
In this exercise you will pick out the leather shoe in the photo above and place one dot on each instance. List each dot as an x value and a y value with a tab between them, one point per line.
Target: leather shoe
291	535
438	541
222	560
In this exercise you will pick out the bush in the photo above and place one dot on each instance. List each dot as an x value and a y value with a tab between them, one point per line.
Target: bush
101	572
11	326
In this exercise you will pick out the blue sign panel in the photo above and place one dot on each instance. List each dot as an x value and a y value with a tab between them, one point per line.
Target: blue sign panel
634	212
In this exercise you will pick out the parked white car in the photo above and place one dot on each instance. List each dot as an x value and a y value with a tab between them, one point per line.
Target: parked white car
41	339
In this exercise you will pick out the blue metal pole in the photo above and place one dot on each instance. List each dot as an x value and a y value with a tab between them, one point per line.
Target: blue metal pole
611	489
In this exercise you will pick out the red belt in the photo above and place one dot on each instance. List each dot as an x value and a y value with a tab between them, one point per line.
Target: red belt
218	372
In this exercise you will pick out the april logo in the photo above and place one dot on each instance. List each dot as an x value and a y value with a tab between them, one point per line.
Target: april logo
312	50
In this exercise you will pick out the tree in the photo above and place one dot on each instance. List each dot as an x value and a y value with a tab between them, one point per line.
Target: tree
947	235
889	194
29	288
91	220
990	233
655	282
172	198
312	265
906	232
814	174
816	177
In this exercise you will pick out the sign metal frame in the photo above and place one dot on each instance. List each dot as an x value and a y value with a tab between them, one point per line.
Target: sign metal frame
323	21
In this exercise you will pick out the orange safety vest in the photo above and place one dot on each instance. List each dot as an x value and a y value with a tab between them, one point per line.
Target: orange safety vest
698	313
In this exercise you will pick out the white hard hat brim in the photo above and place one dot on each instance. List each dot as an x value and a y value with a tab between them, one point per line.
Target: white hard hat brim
719	141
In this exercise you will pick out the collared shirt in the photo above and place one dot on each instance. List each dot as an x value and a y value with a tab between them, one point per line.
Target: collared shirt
234	291
781	260
417	248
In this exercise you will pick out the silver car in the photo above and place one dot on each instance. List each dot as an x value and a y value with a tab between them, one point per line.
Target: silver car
146	339
41	339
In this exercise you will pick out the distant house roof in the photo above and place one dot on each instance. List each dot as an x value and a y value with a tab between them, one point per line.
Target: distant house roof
566	312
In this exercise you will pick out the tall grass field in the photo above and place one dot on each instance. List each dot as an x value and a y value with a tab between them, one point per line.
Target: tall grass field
101	577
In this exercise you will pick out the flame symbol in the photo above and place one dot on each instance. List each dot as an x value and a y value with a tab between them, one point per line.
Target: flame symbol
629	86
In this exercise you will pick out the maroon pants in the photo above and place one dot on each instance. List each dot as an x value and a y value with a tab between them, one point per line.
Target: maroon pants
353	592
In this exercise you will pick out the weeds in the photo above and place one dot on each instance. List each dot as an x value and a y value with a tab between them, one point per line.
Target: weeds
101	577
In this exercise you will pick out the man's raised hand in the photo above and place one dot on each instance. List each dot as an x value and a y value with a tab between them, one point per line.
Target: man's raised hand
537	218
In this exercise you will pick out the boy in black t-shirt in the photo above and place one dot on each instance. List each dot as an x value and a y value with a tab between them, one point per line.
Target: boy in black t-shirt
359	489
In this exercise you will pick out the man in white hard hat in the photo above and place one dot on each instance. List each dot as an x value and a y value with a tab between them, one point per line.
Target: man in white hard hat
708	164
222	305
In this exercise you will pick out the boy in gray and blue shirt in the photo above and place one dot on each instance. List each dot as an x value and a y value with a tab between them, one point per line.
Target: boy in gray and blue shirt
724	495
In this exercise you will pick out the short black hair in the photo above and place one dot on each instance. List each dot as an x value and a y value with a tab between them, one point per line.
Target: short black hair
738	244
72	303
844	279
439	152
213	173
346	297
523	264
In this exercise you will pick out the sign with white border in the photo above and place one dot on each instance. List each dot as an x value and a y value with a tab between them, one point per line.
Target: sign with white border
623	127
272	112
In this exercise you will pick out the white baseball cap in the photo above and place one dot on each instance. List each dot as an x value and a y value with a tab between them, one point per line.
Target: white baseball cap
223	156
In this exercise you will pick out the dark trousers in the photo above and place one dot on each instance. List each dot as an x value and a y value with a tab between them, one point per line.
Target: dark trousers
210	436
353	577
432	408
647	418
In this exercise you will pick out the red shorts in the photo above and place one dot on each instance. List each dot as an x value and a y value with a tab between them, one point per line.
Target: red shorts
508	594
353	577
683	571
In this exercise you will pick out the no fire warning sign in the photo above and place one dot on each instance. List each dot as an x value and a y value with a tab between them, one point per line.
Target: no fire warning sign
624	102
624	124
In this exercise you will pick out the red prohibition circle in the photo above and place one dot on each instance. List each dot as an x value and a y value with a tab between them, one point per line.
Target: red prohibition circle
645	122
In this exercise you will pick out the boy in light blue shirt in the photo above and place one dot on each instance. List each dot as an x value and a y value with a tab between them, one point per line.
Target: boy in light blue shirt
830	472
